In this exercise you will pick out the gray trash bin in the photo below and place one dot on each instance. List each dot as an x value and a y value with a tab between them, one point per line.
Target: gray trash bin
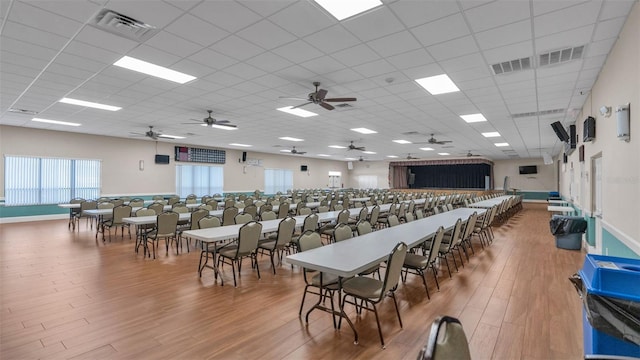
568	231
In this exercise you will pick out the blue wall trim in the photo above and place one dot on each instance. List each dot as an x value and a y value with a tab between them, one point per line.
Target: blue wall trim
611	246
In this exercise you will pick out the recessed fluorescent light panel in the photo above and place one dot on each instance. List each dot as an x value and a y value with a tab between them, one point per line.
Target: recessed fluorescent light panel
364	131
426	149
221	127
337	146
285	150
153	70
171	136
288	138
350	159
240	145
472	118
402	141
369	152
501	144
444	154
491	134
439	84
324	155
89	104
56	122
341	9
392	156
297	111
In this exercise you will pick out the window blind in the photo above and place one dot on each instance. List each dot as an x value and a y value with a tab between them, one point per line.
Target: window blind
199	180
277	180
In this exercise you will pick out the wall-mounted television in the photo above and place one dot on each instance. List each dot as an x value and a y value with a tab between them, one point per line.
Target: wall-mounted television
528	169
162	159
303	168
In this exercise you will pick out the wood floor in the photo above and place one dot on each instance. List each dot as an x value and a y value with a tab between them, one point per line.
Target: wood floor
65	296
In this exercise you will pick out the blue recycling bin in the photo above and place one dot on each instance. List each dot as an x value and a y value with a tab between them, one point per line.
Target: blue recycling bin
611	305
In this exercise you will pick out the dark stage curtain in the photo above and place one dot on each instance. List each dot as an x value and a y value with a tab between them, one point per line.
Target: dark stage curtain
452	176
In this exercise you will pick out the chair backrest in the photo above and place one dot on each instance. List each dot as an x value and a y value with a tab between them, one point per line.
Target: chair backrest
408	217
309	240
157	207
157	197
337	207
323	208
76	200
180	209
117	202
228	216
455	233
283	210
259	203
303	210
375	212
446	341
411	207
174	199
177	204
196	215
121	212
205	198
419	214
192	196
167	223
209	221
88	205
248	201
392	209
285	231
213	204
105	205
242	197
268	215
394	267
470	225
136	203
435	245
191	201
248	238
205	207
364	212
392	220
145	212
342	231
243	218
251	210
310	223
363	227
229	203
343	216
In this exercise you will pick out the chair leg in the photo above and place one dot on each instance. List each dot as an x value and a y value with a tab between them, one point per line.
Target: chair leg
375	311
255	257
435	274
424	281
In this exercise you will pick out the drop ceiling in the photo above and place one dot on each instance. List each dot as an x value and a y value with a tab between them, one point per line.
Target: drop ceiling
249	55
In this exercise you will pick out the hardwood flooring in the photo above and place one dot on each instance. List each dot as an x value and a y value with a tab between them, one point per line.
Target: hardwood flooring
64	295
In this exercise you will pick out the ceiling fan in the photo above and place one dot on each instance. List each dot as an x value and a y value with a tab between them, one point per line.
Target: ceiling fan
150	134
214	123
297	152
319	97
409	157
353	147
470	154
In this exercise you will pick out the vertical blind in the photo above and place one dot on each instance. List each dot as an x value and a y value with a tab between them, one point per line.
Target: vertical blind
199	179
277	180
34	180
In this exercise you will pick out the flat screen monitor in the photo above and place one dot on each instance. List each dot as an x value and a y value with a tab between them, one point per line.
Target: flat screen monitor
528	169
162	159
303	167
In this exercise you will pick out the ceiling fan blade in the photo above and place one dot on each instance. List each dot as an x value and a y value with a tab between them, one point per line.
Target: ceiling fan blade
221	121
301	152
321	94
341	99
326	106
361	148
297	106
225	125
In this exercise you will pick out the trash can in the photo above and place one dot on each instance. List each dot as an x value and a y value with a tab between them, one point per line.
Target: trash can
610	292
554	195
568	231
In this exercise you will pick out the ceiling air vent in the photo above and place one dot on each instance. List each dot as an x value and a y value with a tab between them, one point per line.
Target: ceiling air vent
23	111
511	66
561	56
538	113
118	24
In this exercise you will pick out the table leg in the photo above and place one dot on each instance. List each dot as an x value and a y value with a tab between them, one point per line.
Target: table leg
201	265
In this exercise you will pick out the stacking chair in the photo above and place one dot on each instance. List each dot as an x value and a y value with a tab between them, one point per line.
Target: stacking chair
181	209
382	218
419	214
362	215
116	222
446	341
417	264
194	224
392	220
74	212
283	210
213	204
341	232
173	199
371	291
85	205
252	210
276	243
446	246
143	230
303	210
117	202
166	230
191	201
137	202
205	198
323	208
468	232
268	215
157	207
310	240
245	246
327	230
229	203
243	218
408	217
373	216
228	216
310	223
364	227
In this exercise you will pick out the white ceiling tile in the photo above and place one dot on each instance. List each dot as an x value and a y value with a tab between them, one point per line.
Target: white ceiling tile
496	14
43	20
196	30
237	48
223	78
332	39
600	47
608	29
78	10
559	69
373	24
509	52
33	36
269	61
266	35
25	49
192	68
266	8
323	65
594	62
343	76
453	48
546	6
565	39
355	55
245	71
420	72
105	40
212	59
394	44
505	35
173	44
410	59
153	55
566	19
413	13
228	15
611	9
374	68
298	51
91	52
302	19
441	30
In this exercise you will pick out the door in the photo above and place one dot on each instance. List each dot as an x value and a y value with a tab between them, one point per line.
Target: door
596	198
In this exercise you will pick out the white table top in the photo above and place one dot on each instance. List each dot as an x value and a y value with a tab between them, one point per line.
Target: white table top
490	202
562	209
557	202
350	257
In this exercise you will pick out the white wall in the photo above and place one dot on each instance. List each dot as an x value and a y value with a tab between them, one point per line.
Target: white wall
378	169
617	84
544	180
120	162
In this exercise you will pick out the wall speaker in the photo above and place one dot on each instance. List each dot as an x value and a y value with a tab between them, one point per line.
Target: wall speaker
560	131
547	158
350	165
622	113
244	156
589	129
565	158
573	137
412	178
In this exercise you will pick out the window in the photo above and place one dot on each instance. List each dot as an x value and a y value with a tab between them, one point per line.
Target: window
277	180
34	180
199	180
